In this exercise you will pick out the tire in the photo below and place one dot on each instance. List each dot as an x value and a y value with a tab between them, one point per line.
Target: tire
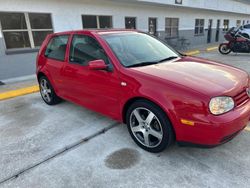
47	92
223	49
153	124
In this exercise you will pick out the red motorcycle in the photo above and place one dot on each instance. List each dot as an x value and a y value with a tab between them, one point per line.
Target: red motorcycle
236	42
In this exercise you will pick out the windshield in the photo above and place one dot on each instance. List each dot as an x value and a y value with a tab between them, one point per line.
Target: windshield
139	49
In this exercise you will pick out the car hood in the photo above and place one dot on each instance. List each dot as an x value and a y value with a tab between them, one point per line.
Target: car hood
207	77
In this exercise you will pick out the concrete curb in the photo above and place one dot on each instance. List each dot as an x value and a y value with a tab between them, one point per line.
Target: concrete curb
19	92
195	52
247	129
212	48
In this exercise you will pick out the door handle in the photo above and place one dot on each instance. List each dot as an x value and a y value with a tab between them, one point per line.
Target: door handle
69	70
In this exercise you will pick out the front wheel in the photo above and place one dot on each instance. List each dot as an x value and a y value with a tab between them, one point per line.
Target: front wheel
224	49
149	126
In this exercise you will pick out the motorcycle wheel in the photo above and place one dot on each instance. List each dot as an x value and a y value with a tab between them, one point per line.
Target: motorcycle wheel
223	49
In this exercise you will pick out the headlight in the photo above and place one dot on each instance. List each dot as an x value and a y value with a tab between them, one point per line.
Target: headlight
221	105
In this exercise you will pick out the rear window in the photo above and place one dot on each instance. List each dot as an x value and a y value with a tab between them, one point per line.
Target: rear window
56	48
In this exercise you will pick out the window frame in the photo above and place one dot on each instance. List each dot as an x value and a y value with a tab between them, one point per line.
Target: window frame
38	30
97	21
134	17
199	26
228	25
238	23
29	30
172	27
54	36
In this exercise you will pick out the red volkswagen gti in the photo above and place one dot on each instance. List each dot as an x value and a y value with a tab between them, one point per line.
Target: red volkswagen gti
134	78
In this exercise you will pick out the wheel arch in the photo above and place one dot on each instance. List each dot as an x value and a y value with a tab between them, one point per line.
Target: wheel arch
134	99
47	75
40	74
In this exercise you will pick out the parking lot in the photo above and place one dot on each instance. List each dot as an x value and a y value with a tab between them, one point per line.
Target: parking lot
241	61
69	146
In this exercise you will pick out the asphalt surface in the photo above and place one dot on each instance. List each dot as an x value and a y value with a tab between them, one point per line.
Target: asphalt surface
238	60
69	146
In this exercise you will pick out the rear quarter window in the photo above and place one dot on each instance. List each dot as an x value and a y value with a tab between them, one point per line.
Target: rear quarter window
56	47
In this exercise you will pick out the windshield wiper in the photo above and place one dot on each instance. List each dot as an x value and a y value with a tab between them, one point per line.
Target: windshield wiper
168	59
152	62
143	64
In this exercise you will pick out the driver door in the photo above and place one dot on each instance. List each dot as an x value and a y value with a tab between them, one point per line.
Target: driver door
95	89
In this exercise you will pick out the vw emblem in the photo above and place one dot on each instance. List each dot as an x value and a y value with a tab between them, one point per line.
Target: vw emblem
248	92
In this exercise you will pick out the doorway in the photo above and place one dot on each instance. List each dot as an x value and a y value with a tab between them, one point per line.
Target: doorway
152	26
217	37
209	32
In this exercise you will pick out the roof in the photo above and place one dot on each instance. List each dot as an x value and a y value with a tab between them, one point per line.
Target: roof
97	31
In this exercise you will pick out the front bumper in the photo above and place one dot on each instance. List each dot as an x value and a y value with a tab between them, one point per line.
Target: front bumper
217	129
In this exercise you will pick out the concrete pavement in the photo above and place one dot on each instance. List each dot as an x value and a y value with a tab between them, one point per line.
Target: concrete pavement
30	131
69	146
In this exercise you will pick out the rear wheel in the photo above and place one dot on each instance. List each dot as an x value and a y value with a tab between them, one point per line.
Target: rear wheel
224	49
149	126
47	92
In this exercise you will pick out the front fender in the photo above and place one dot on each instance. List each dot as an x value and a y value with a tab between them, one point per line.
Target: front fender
177	102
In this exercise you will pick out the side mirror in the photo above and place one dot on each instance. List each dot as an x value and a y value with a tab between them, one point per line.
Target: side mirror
98	65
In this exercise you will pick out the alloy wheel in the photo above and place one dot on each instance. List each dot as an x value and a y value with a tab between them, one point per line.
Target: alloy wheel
146	127
45	90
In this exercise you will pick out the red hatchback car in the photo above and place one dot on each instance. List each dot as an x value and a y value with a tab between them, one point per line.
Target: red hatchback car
134	78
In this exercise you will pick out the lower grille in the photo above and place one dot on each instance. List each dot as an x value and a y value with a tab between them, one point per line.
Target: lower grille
230	137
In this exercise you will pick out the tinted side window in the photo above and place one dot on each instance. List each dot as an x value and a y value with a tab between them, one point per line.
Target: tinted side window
247	26
84	49
56	48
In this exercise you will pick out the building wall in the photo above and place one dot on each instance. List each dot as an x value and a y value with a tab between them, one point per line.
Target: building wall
236	6
66	15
